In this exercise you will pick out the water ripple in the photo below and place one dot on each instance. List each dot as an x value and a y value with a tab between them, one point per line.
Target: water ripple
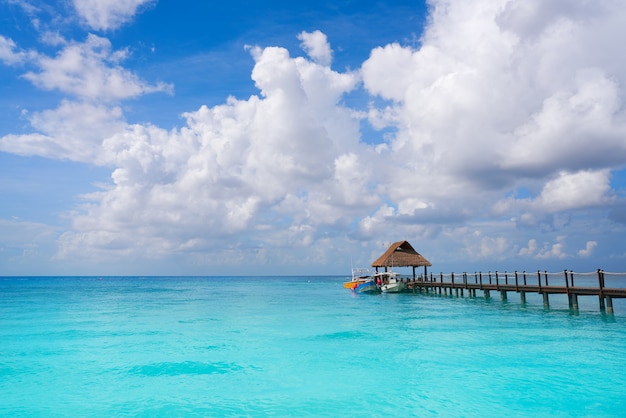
185	368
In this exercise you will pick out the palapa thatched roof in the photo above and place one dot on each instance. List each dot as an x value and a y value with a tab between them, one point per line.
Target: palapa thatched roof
401	254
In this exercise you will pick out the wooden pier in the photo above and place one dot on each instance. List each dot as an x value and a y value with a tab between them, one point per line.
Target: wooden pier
543	283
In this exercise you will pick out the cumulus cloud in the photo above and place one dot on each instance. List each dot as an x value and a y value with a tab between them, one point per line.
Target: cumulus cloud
490	106
73	131
316	45
575	190
90	70
555	250
530	249
108	14
499	97
588	250
280	156
565	192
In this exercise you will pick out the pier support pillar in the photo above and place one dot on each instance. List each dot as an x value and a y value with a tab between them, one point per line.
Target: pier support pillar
546	301
573	301
602	308
522	296
457	292
487	295
503	295
609	305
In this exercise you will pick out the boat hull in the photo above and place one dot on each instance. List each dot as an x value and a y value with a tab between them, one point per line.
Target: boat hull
352	284
392	287
367	287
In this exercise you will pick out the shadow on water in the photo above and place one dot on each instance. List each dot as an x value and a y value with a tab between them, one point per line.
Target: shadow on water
558	304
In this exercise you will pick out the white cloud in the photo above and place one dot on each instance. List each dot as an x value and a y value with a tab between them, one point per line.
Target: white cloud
90	70
574	190
73	131
588	250
108	14
553	251
8	53
565	192
281	157
486	107
315	44
574	129
530	249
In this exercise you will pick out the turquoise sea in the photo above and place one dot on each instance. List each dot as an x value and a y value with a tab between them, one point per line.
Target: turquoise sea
298	346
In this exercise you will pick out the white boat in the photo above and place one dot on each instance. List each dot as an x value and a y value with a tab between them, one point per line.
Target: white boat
389	282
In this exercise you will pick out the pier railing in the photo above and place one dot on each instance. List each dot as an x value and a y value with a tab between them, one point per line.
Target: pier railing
605	285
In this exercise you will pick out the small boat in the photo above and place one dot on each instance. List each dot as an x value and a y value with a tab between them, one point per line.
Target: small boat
359	276
368	286
389	282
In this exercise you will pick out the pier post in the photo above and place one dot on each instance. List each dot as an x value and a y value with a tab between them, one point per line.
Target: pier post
601	285
503	295
487	295
522	295
609	305
546	301
574	299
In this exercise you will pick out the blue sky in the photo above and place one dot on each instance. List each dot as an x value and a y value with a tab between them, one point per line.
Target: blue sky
161	137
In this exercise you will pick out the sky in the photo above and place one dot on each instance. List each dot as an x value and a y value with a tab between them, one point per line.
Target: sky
161	137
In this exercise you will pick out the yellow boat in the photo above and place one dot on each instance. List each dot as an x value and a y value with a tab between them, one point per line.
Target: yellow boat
359	276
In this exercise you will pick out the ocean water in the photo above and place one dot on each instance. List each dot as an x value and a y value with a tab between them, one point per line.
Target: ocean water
299	346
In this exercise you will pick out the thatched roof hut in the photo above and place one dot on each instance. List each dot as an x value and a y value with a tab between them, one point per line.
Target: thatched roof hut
401	254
